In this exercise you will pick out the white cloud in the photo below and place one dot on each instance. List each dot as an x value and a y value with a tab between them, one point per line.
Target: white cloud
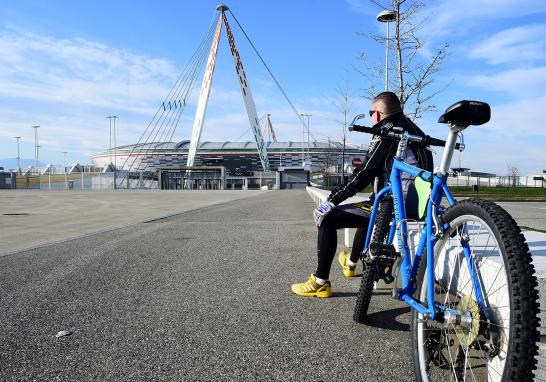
77	71
486	150
454	19
521	83
360	6
68	86
522	44
520	120
513	136
64	131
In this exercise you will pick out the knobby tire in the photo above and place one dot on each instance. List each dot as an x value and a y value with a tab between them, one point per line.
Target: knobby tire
520	357
369	273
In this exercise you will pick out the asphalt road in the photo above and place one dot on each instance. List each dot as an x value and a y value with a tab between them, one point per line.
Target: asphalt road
31	218
200	296
529	214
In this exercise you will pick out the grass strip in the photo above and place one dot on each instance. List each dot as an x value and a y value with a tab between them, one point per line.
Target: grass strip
532	229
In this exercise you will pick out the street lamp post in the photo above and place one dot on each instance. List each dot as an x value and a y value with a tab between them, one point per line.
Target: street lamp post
110	144
18	157
302	145
115	145
386	17
110	118
35	127
308	156
65	174
38	158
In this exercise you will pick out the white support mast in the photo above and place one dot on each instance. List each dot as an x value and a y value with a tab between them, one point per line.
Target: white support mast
204	96
247	95
245	90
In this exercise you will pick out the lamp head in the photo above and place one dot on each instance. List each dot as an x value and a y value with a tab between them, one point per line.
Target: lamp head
386	16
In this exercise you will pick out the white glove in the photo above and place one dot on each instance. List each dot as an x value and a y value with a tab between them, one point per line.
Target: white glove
321	211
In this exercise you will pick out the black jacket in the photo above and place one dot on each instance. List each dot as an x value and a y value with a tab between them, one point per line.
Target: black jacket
380	158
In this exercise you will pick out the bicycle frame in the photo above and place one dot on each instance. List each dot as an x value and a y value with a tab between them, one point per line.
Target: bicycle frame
408	269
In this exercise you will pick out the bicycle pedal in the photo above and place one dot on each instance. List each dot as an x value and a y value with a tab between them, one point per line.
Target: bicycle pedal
386	261
379	250
385	254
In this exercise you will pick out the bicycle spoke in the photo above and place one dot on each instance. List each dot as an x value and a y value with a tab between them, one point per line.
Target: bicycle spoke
478	272
466	359
485	362
451	359
492	323
493	282
499	288
488	255
471	260
452	265
453	284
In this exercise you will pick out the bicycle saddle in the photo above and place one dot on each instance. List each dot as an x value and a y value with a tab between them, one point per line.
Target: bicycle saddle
466	113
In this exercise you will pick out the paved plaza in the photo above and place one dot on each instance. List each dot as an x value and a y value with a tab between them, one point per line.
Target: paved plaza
30	218
528	214
203	294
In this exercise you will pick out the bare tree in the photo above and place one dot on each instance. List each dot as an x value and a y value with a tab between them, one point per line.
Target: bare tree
513	175
344	105
415	71
329	159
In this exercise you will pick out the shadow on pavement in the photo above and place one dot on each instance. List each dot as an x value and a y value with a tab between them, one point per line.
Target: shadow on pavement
382	292
344	294
386	319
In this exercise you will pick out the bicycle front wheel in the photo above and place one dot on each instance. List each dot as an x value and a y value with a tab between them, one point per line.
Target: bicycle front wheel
481	251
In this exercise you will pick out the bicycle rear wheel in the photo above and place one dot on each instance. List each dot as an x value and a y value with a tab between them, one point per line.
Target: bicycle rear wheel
494	341
369	271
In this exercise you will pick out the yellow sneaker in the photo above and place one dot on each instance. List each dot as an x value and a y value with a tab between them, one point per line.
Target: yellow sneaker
348	270
310	288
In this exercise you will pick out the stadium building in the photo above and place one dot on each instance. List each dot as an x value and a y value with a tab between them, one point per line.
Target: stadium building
235	159
202	165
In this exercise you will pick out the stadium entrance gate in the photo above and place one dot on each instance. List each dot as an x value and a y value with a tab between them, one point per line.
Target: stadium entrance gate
192	178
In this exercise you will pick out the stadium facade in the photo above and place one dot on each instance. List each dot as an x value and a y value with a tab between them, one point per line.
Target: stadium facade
238	158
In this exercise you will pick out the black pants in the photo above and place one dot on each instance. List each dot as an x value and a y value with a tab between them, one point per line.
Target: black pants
356	215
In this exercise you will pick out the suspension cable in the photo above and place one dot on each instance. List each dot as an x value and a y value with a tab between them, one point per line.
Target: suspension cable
190	85
167	117
269	70
169	123
164	111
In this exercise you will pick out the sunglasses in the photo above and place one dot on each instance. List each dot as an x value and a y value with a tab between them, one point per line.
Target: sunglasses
372	112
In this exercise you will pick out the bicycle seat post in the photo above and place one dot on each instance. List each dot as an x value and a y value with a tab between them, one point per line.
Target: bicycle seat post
454	131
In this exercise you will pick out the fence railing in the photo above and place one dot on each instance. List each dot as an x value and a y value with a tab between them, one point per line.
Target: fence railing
148	180
127	180
77	181
497	181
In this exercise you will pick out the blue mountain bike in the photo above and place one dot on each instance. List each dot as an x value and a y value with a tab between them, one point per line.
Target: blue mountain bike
467	273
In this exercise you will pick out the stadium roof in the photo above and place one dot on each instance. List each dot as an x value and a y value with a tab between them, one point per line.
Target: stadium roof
228	145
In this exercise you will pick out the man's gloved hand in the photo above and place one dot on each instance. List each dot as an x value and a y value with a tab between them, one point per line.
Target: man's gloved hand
321	211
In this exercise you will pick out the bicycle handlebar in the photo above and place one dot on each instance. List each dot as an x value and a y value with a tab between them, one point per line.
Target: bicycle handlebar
365	129
425	141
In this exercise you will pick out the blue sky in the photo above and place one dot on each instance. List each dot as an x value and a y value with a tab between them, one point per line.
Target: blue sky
66	65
